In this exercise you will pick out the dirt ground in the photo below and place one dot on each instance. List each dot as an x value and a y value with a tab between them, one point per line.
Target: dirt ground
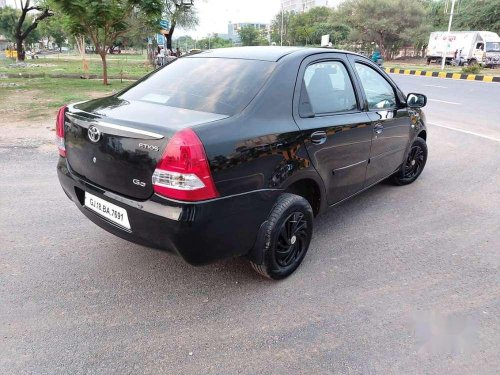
28	108
24	132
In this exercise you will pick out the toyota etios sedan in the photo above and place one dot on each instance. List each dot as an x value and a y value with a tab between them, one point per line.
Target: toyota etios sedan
232	152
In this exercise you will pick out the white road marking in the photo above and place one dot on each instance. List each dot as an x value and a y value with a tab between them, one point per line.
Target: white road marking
443	101
441	87
466	132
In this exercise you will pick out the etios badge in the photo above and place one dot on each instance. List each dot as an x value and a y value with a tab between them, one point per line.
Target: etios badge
94	134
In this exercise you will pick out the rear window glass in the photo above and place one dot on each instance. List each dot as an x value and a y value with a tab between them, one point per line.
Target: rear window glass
215	85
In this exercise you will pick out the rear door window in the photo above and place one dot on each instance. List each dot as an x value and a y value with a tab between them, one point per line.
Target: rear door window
215	85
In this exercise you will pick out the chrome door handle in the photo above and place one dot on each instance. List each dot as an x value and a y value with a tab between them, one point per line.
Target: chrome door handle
378	128
318	138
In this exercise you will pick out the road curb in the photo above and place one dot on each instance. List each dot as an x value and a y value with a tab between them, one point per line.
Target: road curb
425	73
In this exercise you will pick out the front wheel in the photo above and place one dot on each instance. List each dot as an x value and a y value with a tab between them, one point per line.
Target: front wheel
414	164
287	235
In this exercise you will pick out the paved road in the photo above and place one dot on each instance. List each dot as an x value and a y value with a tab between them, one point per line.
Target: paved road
468	106
400	280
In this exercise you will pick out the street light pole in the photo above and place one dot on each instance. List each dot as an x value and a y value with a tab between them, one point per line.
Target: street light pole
281	39
443	60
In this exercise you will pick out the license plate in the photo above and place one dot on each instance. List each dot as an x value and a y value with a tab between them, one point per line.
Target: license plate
110	211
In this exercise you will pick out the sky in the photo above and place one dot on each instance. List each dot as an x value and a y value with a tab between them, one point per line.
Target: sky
215	14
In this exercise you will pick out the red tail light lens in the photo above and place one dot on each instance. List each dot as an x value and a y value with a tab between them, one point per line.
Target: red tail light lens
183	172
60	131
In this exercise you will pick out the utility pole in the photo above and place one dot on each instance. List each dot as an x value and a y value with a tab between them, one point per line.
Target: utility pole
281	39
443	60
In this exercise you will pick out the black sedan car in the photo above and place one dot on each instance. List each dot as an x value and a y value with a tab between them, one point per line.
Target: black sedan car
232	152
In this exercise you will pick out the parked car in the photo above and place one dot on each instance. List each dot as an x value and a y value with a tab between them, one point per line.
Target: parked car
232	152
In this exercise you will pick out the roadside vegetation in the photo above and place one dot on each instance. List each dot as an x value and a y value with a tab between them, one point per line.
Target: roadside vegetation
128	66
102	27
95	33
390	25
27	99
420	64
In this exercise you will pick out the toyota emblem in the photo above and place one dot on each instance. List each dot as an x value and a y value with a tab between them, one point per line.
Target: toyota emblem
94	134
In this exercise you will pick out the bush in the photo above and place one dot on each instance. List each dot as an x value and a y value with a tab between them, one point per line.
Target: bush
471	69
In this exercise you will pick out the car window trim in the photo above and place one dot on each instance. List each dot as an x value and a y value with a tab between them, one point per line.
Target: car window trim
302	71
394	108
400	96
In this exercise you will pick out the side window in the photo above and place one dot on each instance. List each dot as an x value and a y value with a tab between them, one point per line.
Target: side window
329	87
378	91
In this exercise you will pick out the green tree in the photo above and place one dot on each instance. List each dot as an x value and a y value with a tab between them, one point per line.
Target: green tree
251	36
18	24
55	30
436	16
214	41
140	26
104	21
385	22
180	13
8	20
478	15
185	43
276	25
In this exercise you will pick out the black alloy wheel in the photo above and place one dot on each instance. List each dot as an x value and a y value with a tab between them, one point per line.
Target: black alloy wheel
292	239
414	162
413	165
286	236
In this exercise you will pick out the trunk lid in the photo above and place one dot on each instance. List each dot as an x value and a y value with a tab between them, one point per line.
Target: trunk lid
116	144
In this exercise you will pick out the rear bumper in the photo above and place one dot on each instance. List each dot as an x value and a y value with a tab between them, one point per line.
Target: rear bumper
200	233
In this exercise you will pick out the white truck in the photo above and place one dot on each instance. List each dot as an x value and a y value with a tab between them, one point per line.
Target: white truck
464	48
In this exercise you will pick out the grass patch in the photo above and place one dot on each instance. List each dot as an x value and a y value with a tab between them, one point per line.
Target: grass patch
129	65
24	99
437	68
473	69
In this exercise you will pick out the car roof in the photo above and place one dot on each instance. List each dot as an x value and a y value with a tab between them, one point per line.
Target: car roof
265	53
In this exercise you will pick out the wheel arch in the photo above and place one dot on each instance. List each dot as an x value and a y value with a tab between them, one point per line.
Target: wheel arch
422	134
311	188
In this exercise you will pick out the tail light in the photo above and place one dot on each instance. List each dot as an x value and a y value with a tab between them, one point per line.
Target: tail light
183	172
60	131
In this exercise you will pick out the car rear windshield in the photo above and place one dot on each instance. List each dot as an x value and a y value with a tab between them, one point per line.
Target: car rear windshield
215	85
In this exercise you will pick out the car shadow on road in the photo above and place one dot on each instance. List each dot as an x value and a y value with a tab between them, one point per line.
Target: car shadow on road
238	270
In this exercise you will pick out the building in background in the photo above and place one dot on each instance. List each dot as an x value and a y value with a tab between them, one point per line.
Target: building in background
298	6
234	28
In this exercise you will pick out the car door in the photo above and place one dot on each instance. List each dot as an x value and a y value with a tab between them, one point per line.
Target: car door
327	108
389	118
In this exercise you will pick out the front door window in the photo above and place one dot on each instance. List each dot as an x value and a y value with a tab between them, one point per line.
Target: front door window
379	93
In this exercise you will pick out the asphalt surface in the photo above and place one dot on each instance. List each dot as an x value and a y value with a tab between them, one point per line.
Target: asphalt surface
399	280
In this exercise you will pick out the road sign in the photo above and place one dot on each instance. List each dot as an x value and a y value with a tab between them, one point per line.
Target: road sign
325	40
160	39
165	24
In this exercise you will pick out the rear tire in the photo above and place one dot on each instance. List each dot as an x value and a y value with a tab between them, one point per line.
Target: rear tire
413	165
287	235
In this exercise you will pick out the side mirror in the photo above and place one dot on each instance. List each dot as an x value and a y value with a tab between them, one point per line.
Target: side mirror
416	100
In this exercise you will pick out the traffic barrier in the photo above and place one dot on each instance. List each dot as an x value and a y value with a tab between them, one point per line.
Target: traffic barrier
425	73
